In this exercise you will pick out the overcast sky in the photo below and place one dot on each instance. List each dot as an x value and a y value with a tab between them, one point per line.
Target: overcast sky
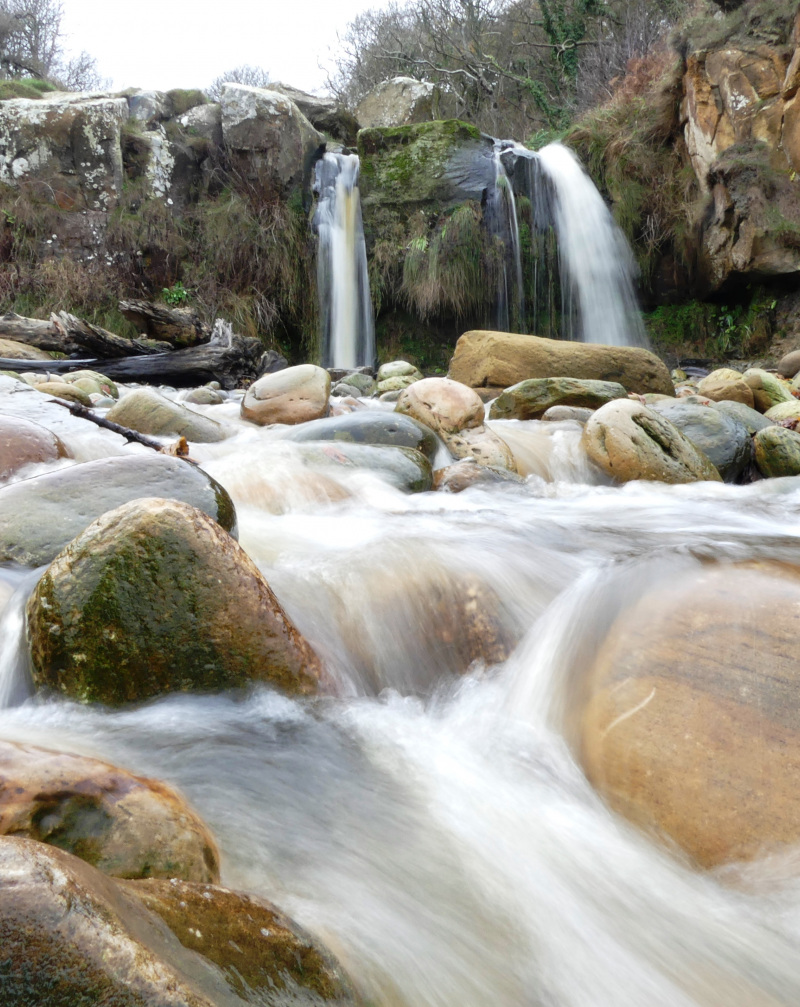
163	44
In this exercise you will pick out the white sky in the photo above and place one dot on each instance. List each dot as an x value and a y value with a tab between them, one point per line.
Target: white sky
163	44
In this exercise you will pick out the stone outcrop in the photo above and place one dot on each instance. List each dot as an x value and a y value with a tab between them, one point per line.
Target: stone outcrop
154	597
402	101
324	114
496	360
124	825
688	727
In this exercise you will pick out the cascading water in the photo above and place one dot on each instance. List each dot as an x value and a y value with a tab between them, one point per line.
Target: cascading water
348	338
595	264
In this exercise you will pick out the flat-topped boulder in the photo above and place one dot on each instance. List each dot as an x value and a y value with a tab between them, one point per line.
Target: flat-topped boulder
497	360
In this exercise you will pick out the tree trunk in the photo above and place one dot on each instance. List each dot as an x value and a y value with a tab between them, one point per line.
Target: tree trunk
180	327
64	333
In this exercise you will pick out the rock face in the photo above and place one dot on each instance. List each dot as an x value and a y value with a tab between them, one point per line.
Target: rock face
529	400
39	516
400	102
627	441
123	825
268	136
23	442
323	113
294	395
497	360
72	936
691	729
150	412
154	597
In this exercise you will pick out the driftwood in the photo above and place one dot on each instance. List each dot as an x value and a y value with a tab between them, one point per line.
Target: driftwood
181	327
64	333
50	366
180	449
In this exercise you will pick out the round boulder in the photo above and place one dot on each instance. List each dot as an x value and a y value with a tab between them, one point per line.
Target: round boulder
777	452
628	440
721	438
154	597
293	395
150	412
63	390
529	400
369	427
443	405
725	384
23	442
123	825
691	722
768	389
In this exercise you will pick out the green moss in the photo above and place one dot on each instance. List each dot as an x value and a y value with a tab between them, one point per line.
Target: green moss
185	98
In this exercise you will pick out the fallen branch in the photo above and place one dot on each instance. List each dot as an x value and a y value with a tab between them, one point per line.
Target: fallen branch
180	448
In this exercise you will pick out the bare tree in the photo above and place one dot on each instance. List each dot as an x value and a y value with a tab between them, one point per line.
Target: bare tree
254	76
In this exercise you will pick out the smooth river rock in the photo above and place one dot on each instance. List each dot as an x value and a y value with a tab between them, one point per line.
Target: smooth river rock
768	389
777	452
293	395
39	516
154	597
445	406
628	440
529	400
369	426
404	468
691	726
150	412
722	439
500	359
726	385
124	825
70	936
23	442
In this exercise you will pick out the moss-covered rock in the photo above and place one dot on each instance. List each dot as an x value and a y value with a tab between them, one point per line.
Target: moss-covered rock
154	597
528	400
777	452
150	412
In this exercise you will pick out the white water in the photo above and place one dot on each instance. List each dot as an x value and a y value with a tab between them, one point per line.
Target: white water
435	831
348	339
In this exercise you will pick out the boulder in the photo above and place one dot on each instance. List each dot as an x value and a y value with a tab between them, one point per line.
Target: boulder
124	825
404	468
482	444
751	419
628	440
63	390
398	369
556	414
23	442
70	935
789	364
784	411
324	114
689	727
267	136
777	452
13	350
150	412
204	396
369	427
529	400
399	102
39	516
768	390
466	473
501	359
293	395
722	439
725	384
445	406
260	951
154	597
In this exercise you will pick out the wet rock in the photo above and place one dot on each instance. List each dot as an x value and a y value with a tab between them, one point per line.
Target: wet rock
784	411
23	442
124	825
63	390
482	444
105	385
154	597
768	389
293	395
369	427
725	384
691	728
628	440
342	390
149	412
789	364
556	414
722	439
365	383
258	949
530	399
443	405
751	419
204	396
404	468
398	369
13	350
777	452
467	472
500	359
39	516
72	936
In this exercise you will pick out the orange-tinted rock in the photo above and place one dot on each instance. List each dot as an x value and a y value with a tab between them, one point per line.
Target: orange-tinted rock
124	825
691	726
23	442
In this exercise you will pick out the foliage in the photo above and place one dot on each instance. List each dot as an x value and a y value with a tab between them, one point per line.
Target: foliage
246	73
714	331
31	46
176	295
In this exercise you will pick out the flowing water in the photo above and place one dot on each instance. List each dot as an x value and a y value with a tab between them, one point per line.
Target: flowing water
348	338
434	829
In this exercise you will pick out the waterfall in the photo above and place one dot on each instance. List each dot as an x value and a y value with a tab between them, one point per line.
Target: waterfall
348	338
594	263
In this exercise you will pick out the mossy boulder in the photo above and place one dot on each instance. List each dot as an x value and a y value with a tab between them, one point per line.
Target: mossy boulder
528	400
768	389
124	825
150	412
39	516
777	452
154	597
369	428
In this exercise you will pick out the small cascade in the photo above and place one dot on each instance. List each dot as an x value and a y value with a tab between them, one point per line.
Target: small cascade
348	338
501	217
